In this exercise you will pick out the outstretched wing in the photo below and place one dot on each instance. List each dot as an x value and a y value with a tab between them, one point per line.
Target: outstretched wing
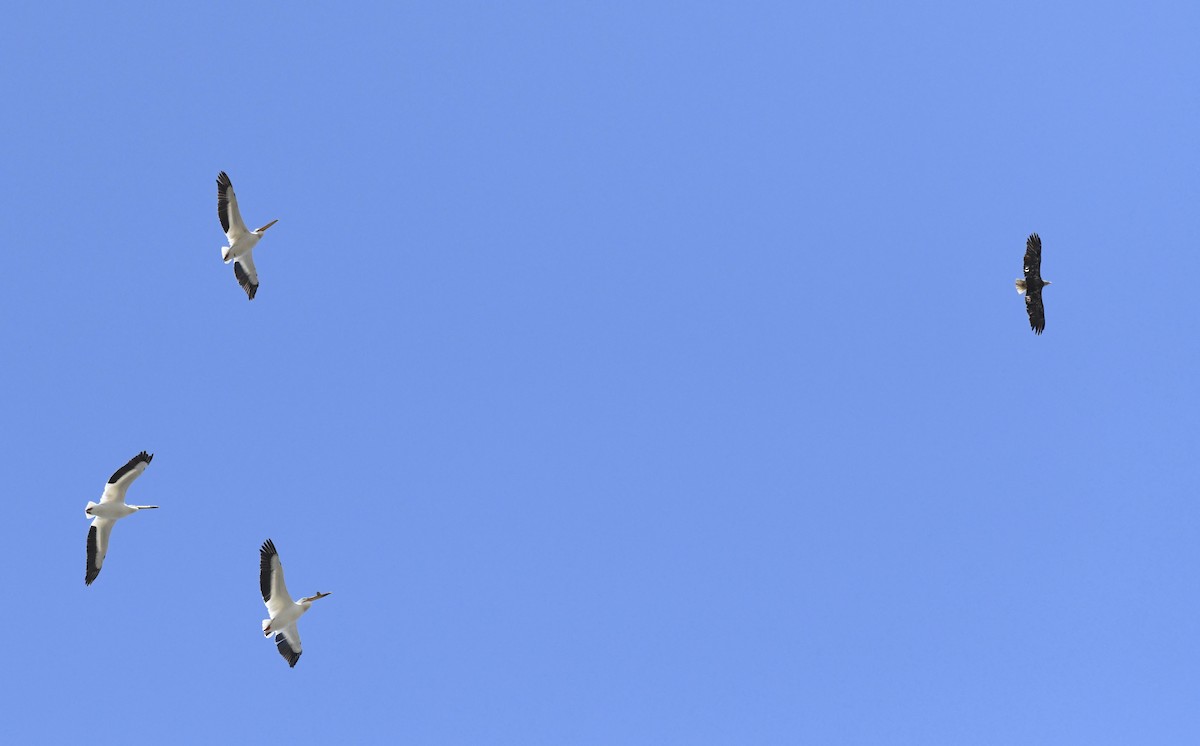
246	274
270	580
288	642
1033	260
227	209
1033	283
1037	313
97	547
119	482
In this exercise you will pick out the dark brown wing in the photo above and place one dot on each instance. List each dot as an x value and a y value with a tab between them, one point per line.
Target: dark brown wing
1033	260
1037	313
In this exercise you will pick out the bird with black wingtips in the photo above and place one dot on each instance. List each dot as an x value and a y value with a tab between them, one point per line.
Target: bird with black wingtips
1033	283
240	250
111	509
283	610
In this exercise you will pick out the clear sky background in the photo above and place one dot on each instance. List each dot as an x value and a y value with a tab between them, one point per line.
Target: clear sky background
631	373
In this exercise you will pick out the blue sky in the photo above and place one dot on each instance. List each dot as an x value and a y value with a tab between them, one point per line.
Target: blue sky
630	372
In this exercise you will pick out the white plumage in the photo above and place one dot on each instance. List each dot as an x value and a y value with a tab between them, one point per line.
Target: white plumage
111	509
241	241
284	612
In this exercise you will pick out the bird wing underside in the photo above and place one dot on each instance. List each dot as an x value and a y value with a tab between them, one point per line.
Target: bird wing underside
97	547
119	482
1037	312
227	209
288	642
246	274
1033	259
274	590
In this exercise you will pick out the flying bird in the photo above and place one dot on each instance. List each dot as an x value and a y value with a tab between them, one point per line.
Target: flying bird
1033	283
283	610
241	241
111	509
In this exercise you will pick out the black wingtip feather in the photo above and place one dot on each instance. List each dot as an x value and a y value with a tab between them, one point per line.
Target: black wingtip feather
244	280
142	457
265	553
286	651
91	572
223	183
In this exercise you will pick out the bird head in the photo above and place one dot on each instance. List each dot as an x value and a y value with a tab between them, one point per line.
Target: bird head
264	228
310	599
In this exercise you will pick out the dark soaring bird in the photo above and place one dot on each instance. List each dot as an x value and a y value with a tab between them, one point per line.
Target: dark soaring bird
1033	283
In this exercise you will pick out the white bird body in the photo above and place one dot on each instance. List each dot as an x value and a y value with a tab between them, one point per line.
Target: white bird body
283	611
286	616
112	510
283	624
241	240
240	246
109	510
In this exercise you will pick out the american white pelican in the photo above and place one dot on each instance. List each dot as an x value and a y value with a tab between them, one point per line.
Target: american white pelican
241	241
111	509
283	610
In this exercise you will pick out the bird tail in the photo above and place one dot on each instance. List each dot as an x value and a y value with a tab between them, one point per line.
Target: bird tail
90	505
266	623
1020	286
225	254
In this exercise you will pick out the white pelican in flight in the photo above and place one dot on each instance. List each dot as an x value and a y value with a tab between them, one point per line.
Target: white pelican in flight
283	610
241	241
111	509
